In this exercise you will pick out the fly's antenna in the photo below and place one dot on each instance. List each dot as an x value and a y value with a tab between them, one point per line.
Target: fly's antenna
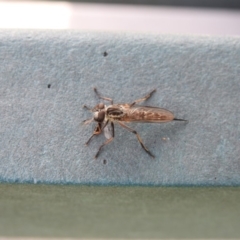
182	120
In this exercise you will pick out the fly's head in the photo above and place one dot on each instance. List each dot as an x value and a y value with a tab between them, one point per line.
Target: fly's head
99	113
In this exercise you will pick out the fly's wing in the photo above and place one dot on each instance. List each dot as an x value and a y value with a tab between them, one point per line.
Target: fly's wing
107	131
147	114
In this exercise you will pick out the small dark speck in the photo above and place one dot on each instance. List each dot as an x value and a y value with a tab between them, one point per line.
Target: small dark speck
49	85
104	161
105	54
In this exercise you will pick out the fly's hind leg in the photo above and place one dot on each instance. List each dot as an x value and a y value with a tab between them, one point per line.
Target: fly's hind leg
138	137
87	108
144	98
101	97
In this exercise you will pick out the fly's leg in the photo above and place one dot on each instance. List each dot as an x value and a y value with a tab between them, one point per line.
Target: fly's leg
105	124
97	131
106	142
104	98
90	139
144	98
112	129
138	137
87	121
87	108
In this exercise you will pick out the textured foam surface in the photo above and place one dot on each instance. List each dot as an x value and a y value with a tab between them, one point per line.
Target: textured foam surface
46	77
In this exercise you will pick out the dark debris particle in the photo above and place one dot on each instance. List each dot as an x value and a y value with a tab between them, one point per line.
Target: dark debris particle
49	85
104	161
105	54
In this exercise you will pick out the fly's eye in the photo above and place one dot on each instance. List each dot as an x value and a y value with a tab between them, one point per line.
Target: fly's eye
99	116
98	107
101	105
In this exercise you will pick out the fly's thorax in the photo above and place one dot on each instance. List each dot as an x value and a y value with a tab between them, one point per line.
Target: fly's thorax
114	112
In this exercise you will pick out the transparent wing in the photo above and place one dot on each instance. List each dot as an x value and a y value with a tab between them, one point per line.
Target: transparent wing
108	131
146	114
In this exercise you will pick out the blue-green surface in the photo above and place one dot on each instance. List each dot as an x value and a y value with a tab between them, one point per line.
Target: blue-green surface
42	139
119	212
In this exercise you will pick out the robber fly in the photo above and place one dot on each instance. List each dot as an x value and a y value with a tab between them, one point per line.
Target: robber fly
121	113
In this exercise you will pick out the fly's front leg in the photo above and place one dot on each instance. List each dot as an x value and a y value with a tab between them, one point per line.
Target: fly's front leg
87	121
97	131
87	108
138	137
104	98
106	142
144	98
